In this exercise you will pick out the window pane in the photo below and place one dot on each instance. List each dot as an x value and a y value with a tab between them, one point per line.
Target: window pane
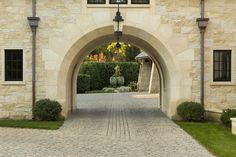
140	1
118	1
228	66
217	66
216	75
96	1
222	65
19	65
13	65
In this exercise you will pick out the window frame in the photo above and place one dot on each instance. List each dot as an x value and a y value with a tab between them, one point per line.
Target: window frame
233	78
229	52
140	3
4	82
129	4
95	3
127	1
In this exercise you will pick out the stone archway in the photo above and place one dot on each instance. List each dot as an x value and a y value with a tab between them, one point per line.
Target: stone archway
161	55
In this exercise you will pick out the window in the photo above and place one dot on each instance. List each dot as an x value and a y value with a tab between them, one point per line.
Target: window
139	1
121	1
96	1
13	65
222	65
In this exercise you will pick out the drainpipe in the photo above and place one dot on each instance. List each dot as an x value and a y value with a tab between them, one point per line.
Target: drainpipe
202	24
33	23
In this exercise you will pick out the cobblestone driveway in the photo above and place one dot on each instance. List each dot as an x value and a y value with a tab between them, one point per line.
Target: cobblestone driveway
111	125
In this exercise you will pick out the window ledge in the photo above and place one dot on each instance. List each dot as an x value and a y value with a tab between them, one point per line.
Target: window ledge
13	83
121	5
222	84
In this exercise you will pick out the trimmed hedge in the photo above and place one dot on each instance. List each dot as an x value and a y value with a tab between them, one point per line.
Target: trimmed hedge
226	115
100	73
83	83
191	111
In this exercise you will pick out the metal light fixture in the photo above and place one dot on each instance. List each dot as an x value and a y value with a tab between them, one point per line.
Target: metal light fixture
118	24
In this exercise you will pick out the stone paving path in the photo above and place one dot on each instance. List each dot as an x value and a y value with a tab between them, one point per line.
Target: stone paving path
106	125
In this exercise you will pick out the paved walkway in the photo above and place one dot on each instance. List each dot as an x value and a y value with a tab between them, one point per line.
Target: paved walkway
111	125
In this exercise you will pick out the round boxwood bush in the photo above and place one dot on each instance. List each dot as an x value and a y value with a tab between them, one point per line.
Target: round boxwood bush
113	81
120	81
47	110
191	111
226	115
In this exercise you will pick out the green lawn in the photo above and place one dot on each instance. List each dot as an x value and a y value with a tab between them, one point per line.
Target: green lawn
52	125
215	137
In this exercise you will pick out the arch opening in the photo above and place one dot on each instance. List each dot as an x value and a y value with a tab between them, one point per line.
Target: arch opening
159	53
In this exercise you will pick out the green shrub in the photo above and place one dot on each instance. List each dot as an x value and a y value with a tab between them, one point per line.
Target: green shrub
95	74
130	71
117	79
134	86
226	115
117	71
113	81
83	83
47	110
100	73
120	81
123	89
191	111
109	90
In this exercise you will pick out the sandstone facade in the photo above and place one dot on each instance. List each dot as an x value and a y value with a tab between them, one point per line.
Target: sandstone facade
148	79
70	29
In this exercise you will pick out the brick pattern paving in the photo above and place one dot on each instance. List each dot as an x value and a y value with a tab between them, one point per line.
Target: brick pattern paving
111	125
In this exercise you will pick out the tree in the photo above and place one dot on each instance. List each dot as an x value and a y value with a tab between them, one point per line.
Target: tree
110	53
131	53
118	54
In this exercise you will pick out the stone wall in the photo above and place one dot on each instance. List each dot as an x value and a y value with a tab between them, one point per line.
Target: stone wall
168	26
148	80
145	74
154	85
221	34
178	25
15	100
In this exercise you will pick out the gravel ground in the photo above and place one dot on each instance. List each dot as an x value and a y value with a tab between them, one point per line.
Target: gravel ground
106	125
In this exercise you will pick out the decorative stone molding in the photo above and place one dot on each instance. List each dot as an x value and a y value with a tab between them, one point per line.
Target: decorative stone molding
233	125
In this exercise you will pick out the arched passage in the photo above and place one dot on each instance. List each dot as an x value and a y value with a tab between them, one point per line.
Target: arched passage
161	55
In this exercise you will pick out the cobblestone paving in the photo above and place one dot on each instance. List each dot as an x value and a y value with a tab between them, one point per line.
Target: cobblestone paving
112	125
